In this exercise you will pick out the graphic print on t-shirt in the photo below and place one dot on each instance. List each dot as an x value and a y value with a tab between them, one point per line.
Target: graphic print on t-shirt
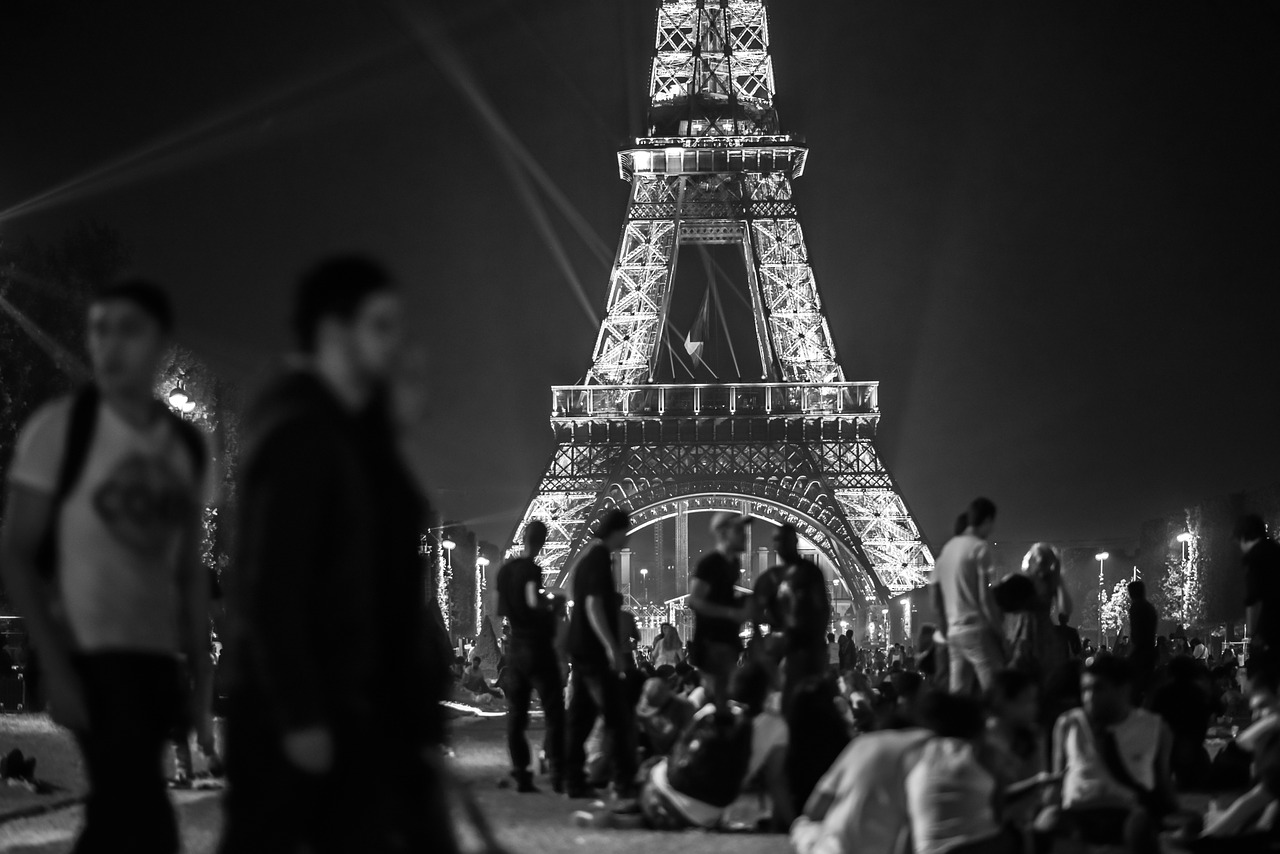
143	503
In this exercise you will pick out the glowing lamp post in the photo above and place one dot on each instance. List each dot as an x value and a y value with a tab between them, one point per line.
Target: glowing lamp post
644	582
1101	558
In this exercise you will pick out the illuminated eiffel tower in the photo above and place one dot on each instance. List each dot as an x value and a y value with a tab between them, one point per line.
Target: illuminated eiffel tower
797	446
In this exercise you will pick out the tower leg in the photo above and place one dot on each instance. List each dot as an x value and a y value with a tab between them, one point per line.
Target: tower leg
682	549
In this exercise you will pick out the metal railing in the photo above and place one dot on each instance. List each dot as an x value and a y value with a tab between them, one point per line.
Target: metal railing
744	399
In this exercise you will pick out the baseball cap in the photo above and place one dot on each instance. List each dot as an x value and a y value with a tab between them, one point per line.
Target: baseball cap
724	518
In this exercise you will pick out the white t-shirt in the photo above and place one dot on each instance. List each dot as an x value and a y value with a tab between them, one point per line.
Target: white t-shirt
949	797
119	530
867	789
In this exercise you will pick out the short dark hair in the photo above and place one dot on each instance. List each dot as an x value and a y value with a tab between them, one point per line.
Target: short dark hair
749	686
980	510
1009	685
1251	527
1113	670
1138	589
535	532
962	524
145	294
615	520
952	715
336	287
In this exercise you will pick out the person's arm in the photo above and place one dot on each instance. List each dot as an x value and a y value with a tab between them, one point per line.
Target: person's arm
699	590
1164	769
995	617
1065	605
939	607
294	500
193	592
598	618
27	519
531	595
776	786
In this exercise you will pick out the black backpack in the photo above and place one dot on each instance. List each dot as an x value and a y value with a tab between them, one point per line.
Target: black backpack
803	607
710	758
75	452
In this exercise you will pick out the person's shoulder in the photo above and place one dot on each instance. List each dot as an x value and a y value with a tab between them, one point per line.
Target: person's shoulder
52	417
40	445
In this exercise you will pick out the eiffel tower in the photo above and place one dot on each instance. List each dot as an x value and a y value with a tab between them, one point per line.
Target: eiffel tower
797	446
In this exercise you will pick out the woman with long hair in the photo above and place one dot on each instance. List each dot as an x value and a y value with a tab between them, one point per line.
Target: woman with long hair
668	649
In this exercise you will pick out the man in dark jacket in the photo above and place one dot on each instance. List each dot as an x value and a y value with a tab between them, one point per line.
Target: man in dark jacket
333	747
1261	556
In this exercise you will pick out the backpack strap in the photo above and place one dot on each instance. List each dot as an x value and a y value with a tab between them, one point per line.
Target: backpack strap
81	423
75	450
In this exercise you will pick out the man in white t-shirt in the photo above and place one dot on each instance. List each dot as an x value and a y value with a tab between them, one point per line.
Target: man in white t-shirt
965	602
101	554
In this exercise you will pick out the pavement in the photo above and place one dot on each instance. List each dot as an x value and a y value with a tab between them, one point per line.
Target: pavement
525	824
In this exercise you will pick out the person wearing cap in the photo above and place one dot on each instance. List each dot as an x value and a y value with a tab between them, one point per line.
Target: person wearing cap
718	613
598	684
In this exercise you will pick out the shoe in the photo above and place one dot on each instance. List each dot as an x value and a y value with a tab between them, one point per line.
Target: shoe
557	785
581	792
524	783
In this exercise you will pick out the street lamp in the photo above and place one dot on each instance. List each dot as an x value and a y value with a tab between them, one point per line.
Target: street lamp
1101	558
181	401
644	581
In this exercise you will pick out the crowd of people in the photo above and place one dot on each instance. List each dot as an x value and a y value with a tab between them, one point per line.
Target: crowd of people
997	730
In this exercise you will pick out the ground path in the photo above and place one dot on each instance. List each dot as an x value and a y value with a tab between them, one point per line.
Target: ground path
526	824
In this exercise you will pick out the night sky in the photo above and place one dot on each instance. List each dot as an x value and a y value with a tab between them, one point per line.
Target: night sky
1042	227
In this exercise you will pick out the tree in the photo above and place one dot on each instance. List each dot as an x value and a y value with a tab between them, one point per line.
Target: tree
1115	608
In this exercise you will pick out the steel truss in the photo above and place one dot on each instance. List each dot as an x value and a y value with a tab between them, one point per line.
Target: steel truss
716	169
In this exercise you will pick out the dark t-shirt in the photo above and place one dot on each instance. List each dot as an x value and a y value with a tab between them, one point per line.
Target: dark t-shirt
720	574
527	624
1142	627
766	597
804	588
1262	587
593	576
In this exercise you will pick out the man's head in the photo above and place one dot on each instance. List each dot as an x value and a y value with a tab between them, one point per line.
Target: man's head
346	311
612	530
130	331
1249	531
1137	590
475	662
1063	618
749	686
730	531
786	542
1104	689
1013	697
952	715
535	537
981	517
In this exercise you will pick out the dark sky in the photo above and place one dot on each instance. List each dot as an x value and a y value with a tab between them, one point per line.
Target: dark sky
1043	227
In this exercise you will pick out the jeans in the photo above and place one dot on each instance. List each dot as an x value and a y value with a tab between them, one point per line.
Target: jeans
600	691
974	651
532	666
134	700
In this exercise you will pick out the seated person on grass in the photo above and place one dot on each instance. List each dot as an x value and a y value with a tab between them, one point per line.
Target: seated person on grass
1114	758
719	755
473	680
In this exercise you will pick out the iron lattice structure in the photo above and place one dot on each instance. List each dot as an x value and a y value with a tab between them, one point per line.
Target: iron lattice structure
797	446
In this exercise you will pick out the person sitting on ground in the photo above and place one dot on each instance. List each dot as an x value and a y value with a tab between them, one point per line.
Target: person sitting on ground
859	806
662	715
668	649
1114	758
473	680
1255	813
1184	704
950	794
722	751
1014	747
